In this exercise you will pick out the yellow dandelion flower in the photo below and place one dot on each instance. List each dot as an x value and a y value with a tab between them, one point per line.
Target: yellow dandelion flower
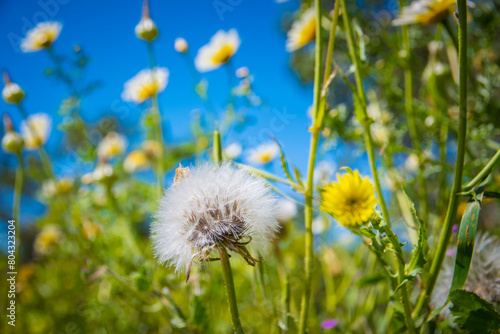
425	12
46	239
112	145
135	161
41	37
264	153
303	31
350	200
222	46
145	85
35	130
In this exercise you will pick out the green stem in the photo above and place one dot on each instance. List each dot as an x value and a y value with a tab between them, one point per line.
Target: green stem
231	296
217	148
47	166
308	211
60	71
271	177
410	116
451	32
18	191
366	124
159	138
371	156
158	124
451	212
483	174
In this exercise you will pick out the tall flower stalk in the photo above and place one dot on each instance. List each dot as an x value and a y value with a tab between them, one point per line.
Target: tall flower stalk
451	211
224	256
18	191
371	156
319	107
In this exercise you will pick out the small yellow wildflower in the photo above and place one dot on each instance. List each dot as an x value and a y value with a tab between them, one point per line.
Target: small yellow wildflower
425	12
46	239
350	200
264	153
41	37
135	161
181	45
303	31
35	130
222	46
113	144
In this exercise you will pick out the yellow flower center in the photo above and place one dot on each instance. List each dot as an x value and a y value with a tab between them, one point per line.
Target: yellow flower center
43	39
147	91
350	201
223	55
308	32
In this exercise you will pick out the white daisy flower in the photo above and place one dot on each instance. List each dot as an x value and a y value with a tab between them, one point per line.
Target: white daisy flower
111	145
145	85
425	12
264	153
135	161
211	207
232	151
222	46
303	31
181	45
41	36
35	130
49	236
484	272
287	210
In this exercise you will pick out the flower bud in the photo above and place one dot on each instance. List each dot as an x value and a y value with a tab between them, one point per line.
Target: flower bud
146	29
181	45
11	92
12	142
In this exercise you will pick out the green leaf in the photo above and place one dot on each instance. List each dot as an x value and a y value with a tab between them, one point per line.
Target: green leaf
465	245
473	313
417	261
198	312
284	164
298	176
371	280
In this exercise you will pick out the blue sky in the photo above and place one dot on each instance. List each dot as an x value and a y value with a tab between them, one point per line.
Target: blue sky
105	30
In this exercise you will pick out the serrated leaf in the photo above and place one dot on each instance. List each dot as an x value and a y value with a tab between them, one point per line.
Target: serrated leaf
465	245
417	261
473	313
371	280
284	164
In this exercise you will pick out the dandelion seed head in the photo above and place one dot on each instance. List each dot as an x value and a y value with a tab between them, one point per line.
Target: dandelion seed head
41	36
211	206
